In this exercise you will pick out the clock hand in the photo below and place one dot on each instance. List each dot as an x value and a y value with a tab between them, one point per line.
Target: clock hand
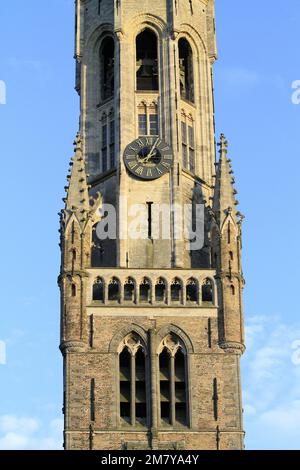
151	151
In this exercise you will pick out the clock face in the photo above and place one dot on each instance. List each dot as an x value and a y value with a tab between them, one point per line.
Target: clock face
148	158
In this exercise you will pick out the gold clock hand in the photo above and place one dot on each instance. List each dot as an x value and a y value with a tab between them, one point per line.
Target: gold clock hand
151	151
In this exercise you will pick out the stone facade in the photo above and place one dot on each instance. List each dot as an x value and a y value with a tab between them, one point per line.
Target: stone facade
151	331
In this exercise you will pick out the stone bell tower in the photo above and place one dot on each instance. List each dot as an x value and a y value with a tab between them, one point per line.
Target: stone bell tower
151	279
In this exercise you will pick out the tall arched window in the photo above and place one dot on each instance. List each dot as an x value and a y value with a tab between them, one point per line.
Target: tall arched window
129	290
148	119
98	290
207	291
133	384
188	142
145	290
74	290
192	290
107	62
186	70
173	382
114	290
161	290
146	61
176	290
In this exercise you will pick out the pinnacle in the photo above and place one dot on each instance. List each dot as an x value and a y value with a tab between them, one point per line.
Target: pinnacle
77	190
224	201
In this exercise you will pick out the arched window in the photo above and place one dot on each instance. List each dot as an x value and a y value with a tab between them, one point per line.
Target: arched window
192	290
145	290
188	143
125	385
129	290
146	61
74	290
173	382
148	119
107	61
114	290
232	288
186	70
98	290
207	292
161	291
104	142
176	290
133	384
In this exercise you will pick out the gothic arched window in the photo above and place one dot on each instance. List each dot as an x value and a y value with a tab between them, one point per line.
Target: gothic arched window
114	290
107	61
173	382
192	290
97	254
207	291
145	290
129	290
186	70
188	142
176	290
98	290
74	290
133	384
161	290
148	119
146	61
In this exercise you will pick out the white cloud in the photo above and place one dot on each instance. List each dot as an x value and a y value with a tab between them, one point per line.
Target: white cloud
285	417
271	383
10	423
27	433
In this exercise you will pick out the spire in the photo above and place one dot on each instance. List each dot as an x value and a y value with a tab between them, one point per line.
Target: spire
77	191
224	201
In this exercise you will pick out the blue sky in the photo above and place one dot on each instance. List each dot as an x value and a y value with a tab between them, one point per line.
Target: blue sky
258	62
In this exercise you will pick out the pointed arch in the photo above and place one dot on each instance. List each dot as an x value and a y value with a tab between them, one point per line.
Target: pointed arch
98	290
173	329
147	60
129	290
145	290
72	225
118	337
161	290
173	384
233	225
176	290
208	291
133	384
186	68
114	290
192	290
107	64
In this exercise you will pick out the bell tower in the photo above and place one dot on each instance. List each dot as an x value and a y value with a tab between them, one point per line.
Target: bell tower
151	279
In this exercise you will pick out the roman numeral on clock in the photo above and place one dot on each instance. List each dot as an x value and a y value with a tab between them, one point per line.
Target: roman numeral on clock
140	170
